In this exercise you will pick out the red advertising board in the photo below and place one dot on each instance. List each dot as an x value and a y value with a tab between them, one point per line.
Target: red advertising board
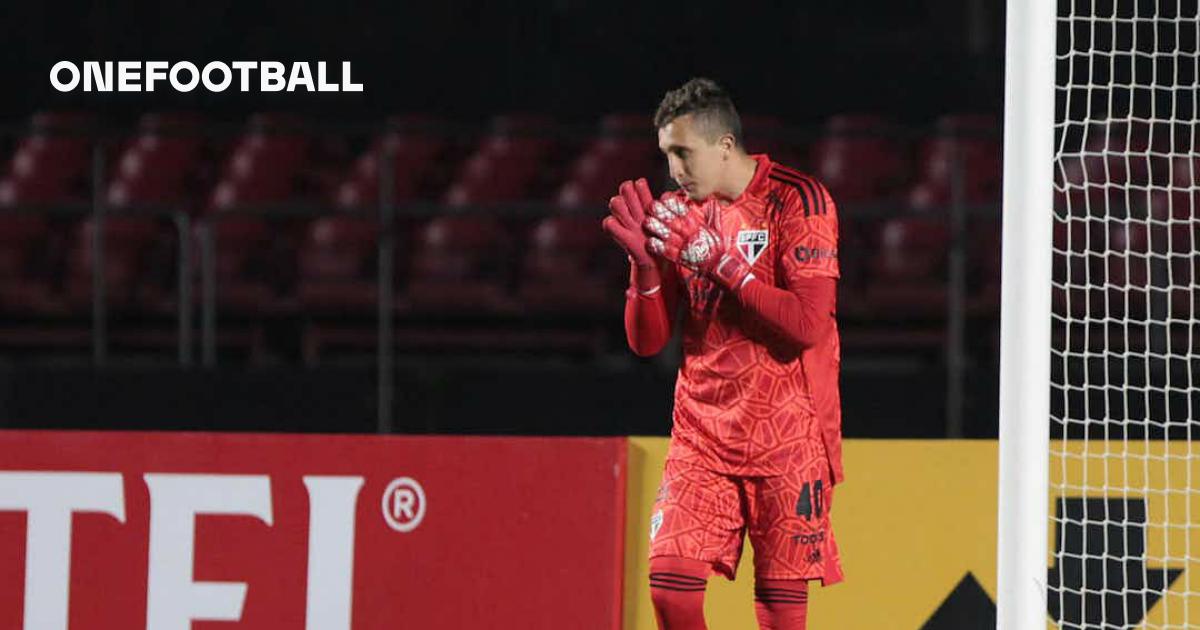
171	531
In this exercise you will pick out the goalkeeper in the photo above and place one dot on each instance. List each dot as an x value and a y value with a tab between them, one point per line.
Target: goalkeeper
748	248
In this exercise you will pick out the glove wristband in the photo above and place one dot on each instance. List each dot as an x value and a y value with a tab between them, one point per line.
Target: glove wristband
732	272
644	278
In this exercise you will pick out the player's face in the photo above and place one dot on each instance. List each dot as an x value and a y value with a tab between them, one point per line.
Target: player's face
696	163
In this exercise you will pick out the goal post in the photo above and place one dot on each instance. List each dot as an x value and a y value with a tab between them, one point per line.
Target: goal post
1099	491
1025	314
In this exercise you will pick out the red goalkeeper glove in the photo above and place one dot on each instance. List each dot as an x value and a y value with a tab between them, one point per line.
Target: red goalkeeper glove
627	216
683	237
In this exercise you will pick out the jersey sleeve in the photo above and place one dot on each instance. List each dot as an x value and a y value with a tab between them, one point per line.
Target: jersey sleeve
808	229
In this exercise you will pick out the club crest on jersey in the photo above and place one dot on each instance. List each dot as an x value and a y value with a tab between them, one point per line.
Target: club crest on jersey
752	244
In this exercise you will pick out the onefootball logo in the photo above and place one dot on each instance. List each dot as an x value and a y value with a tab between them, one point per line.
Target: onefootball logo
185	76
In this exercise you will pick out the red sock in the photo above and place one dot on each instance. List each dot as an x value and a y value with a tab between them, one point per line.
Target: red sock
781	604
677	590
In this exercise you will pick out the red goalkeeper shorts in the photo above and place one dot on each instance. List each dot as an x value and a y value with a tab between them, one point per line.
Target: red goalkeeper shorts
704	515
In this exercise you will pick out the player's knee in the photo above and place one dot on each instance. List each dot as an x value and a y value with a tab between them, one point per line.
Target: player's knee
781	591
677	591
781	604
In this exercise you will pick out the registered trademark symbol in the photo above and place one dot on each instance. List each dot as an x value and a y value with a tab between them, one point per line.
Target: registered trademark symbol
403	504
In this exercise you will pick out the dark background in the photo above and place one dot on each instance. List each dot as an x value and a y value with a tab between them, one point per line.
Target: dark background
802	62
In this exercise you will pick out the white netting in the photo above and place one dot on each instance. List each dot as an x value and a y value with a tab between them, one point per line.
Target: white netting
1125	473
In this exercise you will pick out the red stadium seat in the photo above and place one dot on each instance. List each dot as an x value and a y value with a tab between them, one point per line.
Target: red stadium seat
902	305
1118	155
984	262
1073	265
928	196
154	168
264	164
968	144
20	237
908	271
1127	270
507	163
337	273
594	176
624	149
50	165
24	287
566	267
1183	201
856	159
244	266
127	243
459	266
488	178
1147	264
1184	270
417	148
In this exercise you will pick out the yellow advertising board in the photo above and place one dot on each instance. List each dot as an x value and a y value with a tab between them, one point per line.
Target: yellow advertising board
916	525
1141	502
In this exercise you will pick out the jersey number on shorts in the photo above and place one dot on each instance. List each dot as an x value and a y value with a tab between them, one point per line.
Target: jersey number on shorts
810	500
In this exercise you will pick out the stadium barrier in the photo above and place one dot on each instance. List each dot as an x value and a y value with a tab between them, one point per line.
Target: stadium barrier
154	530
915	523
125	530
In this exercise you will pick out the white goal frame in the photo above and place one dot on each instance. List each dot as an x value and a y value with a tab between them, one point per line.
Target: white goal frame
1025	315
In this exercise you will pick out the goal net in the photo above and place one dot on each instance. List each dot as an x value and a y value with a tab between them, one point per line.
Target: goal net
1123	504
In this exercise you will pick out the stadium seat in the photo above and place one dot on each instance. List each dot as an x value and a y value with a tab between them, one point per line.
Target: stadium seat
568	267
968	144
1130	270
1078	244
459	266
606	162
417	146
336	265
1184	199
984	262
1115	155
51	164
929	197
246	266
856	160
507	164
127	246
1184	269
1147	265
908	270
25	280
155	166
264	163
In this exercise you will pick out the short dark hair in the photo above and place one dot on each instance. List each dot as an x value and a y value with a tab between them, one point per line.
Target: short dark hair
708	102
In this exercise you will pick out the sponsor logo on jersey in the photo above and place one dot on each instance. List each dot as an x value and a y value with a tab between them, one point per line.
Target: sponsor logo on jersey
814	254
809	539
752	244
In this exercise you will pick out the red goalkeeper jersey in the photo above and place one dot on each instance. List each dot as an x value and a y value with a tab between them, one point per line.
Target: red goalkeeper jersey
748	401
